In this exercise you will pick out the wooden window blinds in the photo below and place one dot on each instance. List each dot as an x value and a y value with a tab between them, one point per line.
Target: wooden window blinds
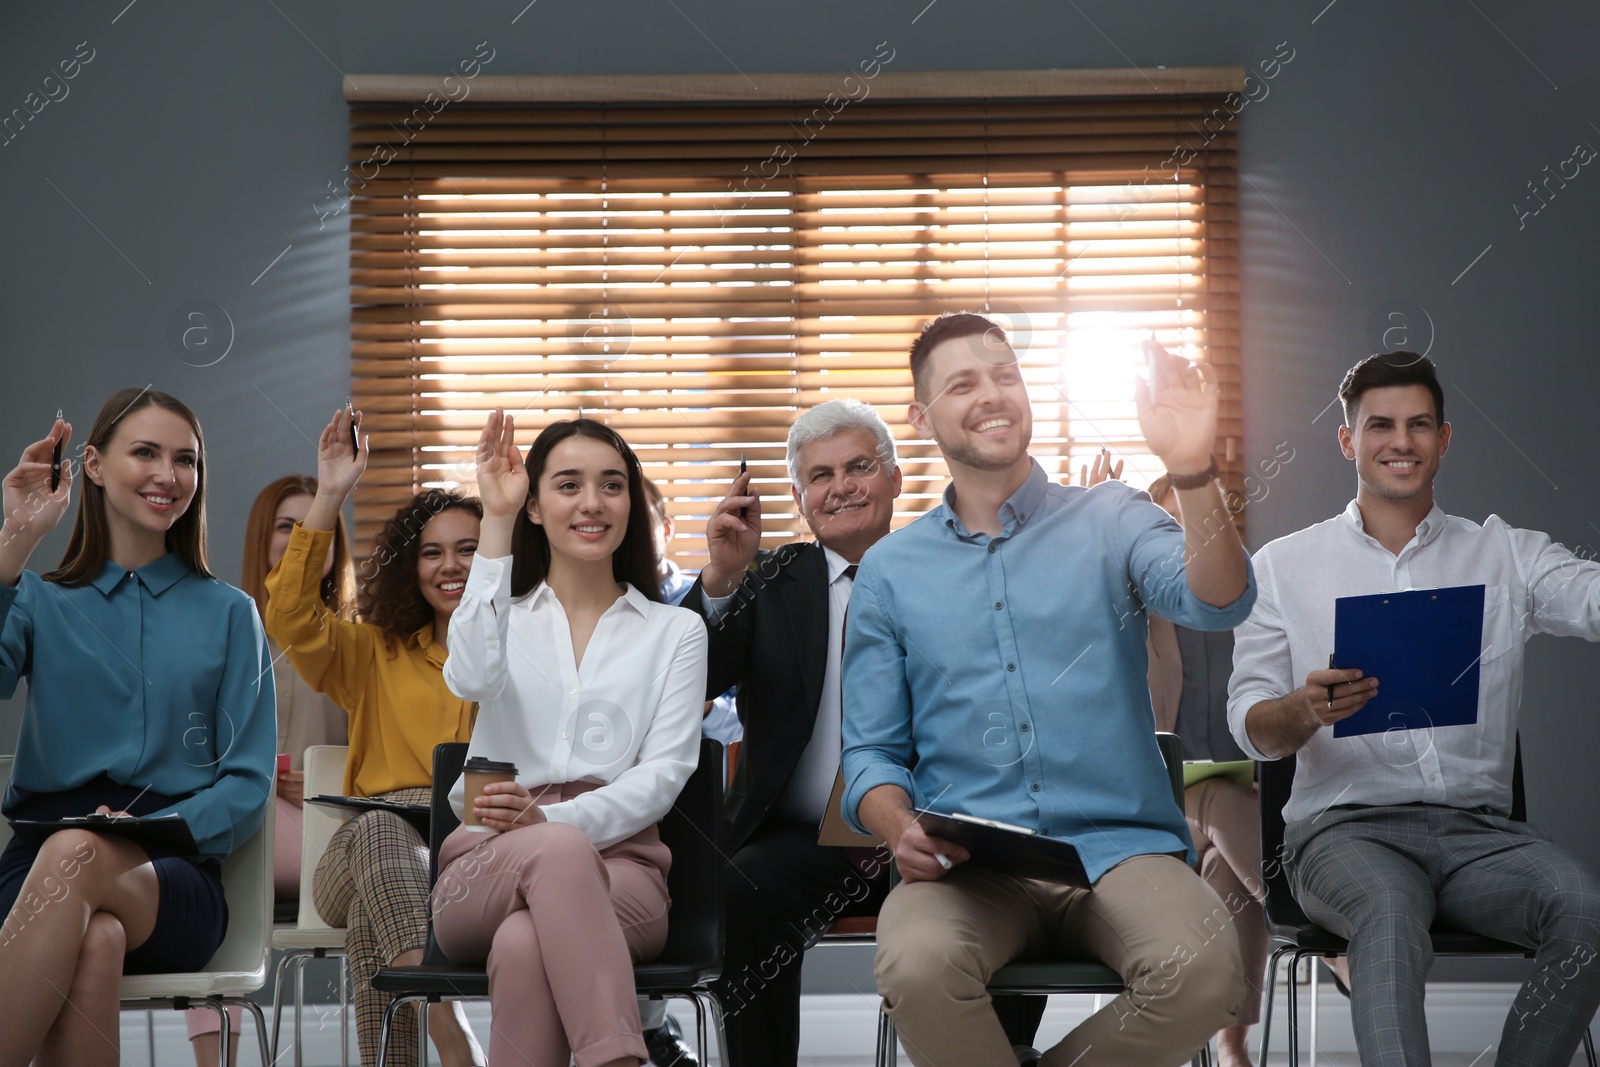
696	275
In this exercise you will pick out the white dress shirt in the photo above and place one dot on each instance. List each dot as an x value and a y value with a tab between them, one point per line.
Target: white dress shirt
1532	586
628	719
805	798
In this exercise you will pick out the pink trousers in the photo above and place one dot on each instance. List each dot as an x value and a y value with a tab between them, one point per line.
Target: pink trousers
561	925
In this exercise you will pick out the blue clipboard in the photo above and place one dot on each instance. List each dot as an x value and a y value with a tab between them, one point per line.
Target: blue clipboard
1423	646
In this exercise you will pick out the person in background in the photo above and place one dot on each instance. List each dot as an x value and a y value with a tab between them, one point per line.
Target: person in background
387	673
149	693
1189	672
592	689
305	717
1387	833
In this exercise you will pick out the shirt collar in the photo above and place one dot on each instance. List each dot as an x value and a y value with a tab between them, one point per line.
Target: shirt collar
836	564
1015	511
632	597
1431	526
157	577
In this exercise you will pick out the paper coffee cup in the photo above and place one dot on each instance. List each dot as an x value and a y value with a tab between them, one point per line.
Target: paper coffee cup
477	773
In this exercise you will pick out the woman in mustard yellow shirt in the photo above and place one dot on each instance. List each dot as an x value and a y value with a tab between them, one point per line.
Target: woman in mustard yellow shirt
387	673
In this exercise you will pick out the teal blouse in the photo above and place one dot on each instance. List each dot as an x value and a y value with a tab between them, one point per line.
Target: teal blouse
157	678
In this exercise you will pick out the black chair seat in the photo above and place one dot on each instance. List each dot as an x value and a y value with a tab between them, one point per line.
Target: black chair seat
1053	976
420	980
1313	939
647	976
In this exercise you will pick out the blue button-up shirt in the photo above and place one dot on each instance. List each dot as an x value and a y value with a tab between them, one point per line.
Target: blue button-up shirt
156	678
1005	677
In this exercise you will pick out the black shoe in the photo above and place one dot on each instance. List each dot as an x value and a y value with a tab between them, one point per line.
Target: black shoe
1026	1057
666	1047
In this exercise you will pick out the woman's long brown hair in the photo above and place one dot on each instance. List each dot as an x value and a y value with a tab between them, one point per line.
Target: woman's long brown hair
338	588
90	545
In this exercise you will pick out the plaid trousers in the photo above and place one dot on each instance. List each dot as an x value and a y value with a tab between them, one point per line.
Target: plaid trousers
373	880
1382	876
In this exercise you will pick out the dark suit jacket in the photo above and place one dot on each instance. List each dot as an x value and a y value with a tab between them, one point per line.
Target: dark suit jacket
772	642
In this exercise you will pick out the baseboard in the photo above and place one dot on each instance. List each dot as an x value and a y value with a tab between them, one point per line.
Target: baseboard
1461	1018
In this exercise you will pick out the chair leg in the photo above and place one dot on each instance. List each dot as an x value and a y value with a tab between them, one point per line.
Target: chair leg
1294	1009
1315	981
718	1023
261	1028
1588	1048
422	1030
299	1009
888	1041
387	1028
150	1035
1266	1009
277	1004
344	1010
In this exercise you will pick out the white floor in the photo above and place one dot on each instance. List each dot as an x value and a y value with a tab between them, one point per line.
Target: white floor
837	1031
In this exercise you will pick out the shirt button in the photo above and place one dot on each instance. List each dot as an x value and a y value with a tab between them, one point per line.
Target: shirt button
998	605
1023	728
991	548
1035	787
565	736
1432	777
573	692
1011	666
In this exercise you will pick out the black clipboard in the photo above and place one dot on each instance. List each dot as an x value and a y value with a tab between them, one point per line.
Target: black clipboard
1008	849
168	832
418	815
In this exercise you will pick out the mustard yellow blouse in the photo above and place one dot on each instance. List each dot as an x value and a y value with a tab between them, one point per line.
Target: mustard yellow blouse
393	690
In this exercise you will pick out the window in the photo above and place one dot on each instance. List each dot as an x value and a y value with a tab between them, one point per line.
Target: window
696	276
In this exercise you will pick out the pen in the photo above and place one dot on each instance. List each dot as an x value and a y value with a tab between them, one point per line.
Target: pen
1331	667
744	468
55	460
944	861
355	433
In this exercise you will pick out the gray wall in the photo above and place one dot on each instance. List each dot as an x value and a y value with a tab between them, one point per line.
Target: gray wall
1387	155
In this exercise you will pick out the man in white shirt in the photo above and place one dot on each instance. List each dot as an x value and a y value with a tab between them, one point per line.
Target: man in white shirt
1391	833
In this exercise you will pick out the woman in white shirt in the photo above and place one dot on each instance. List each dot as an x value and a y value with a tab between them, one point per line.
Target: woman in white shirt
593	688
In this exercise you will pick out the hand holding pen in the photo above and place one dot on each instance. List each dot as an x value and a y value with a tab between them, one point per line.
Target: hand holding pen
338	470
35	494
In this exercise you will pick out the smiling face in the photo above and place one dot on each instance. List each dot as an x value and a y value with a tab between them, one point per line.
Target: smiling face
581	499
976	407
846	493
291	510
1396	442
149	470
444	556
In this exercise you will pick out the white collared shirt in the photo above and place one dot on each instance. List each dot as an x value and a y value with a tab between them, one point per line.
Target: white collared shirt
627	719
1532	585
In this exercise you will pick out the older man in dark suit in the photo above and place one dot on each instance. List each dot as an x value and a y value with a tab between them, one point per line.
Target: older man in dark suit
776	621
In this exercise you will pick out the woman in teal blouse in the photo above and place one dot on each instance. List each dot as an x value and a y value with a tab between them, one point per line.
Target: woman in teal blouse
149	691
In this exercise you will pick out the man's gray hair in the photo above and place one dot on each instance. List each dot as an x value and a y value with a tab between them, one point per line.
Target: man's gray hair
836	416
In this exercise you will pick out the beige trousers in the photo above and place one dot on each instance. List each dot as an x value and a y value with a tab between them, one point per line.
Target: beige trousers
1149	918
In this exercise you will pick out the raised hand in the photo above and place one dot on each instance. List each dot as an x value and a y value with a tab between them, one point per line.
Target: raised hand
1103	469
339	463
1177	408
502	474
32	509
733	536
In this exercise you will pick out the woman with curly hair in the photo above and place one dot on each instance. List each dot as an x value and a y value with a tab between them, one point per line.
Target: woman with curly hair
386	672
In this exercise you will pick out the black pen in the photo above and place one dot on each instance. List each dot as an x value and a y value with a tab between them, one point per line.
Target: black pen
55	460
743	469
355	434
1331	667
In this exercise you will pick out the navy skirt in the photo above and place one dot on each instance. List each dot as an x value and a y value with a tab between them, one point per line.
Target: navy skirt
191	915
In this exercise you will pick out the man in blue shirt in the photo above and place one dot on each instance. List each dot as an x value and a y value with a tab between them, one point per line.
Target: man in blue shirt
995	665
